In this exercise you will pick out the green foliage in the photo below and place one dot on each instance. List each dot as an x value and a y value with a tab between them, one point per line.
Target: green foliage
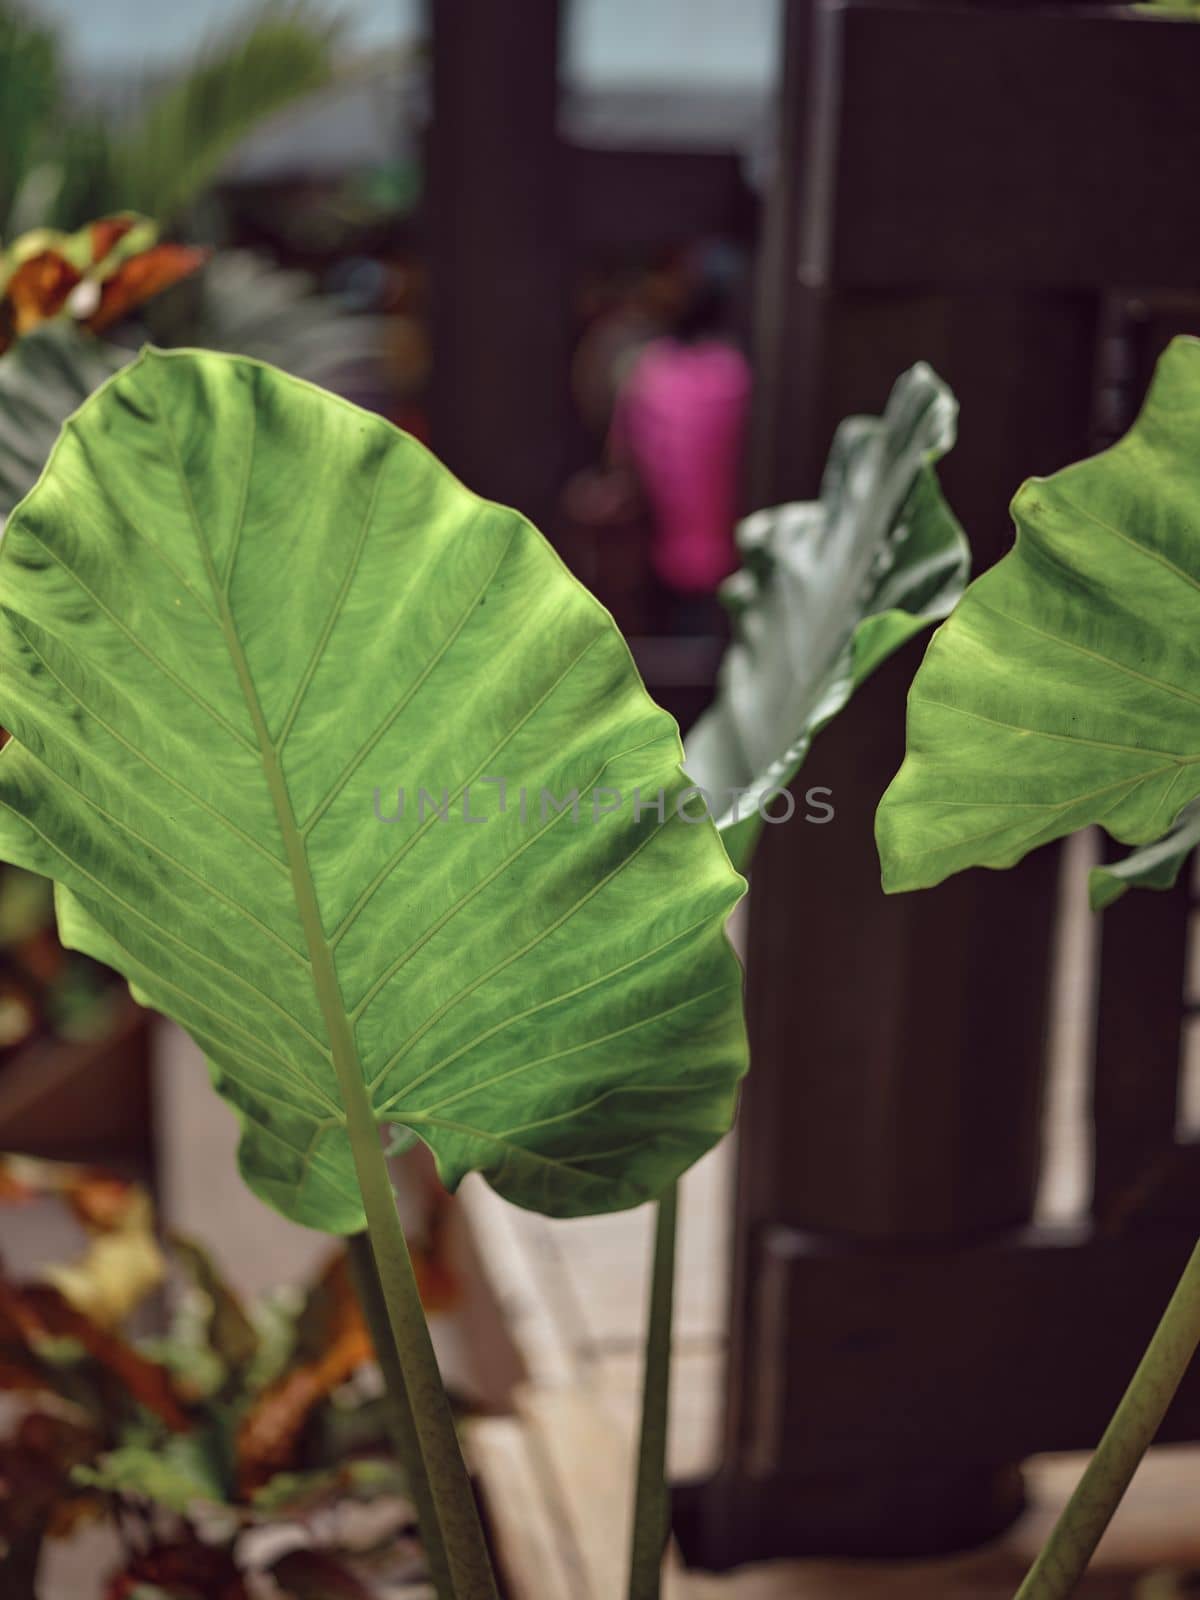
64	165
30	93
177	1473
255	1413
185	133
290	1493
1063	690
828	591
236	608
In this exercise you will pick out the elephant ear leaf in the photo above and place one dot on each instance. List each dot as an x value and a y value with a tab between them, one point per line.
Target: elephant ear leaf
828	591
1064	690
239	615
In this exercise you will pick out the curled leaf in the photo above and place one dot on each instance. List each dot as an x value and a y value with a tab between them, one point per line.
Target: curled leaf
93	276
140	278
828	590
1154	866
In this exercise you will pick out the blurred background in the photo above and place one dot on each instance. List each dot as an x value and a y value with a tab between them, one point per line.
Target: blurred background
624	264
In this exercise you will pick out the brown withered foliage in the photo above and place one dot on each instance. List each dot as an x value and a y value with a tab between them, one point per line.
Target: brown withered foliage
35	1312
188	1570
44	276
37	1497
318	1575
141	278
334	1342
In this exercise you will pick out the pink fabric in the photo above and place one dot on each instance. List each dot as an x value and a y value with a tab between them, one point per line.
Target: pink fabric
680	418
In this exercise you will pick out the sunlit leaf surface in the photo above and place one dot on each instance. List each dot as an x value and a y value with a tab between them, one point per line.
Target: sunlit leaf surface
238	616
1065	689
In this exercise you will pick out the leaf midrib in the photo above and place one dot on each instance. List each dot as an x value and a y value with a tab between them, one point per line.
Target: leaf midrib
356	1109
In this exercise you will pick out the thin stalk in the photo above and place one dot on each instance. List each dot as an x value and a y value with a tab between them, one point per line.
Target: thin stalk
1126	1439
452	1513
652	1505
401	1426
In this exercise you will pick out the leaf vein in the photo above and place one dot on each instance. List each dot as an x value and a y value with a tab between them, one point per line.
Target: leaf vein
142	649
140	755
335	611
373	739
389	866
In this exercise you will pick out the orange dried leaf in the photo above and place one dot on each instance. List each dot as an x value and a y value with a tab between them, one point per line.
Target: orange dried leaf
19	1375
142	277
94	276
39	289
13	1189
109	231
334	1342
39	1312
100	1200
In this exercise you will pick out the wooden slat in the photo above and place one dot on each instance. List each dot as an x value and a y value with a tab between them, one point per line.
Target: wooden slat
592	1465
498	252
986	1353
505	1247
1139	1043
625	200
520	1505
985	145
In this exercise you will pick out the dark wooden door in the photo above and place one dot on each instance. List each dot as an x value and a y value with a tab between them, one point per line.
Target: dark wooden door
977	186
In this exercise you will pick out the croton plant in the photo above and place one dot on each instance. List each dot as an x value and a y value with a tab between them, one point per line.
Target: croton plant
245	1440
93	277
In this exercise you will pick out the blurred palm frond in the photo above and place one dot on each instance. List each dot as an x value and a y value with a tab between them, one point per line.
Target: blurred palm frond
30	92
187	131
64	163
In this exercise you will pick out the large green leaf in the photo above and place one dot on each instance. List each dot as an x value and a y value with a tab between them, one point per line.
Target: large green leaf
43	378
238	614
1065	689
828	591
